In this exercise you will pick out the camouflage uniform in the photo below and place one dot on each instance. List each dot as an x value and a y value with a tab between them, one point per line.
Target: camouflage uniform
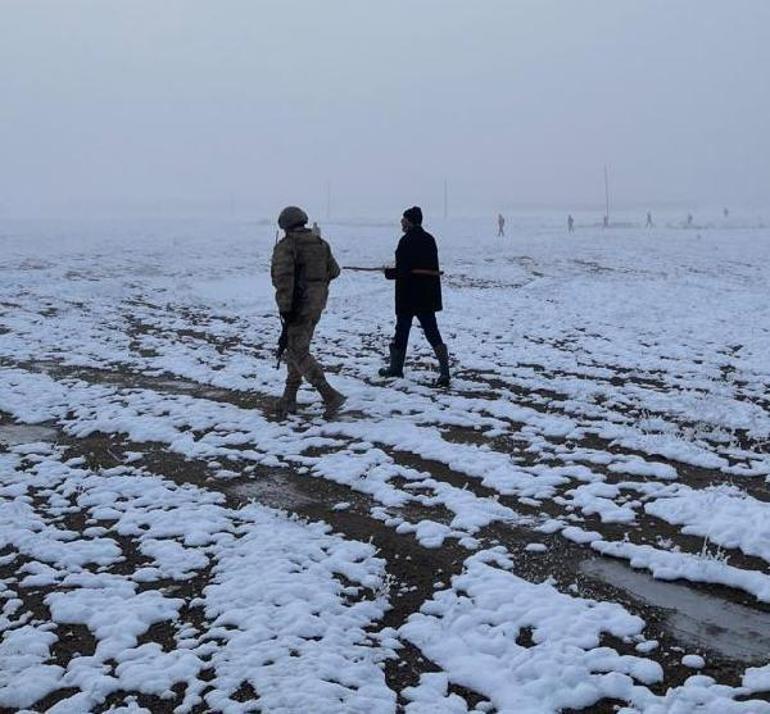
302	268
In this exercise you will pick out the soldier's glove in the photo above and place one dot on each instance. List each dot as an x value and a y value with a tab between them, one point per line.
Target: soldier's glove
391	273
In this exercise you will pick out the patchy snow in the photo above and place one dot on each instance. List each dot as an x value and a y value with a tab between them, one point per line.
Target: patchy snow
667	565
471	630
609	396
275	599
724	514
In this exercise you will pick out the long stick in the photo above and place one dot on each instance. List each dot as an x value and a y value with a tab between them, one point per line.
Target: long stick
414	271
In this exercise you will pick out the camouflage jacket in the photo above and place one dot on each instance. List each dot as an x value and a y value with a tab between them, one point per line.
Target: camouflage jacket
302	268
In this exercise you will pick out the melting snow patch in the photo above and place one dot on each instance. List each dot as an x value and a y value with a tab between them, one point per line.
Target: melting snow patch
471	631
693	661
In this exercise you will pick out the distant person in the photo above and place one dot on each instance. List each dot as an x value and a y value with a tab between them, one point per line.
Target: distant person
500	225
649	223
570	224
302	268
418	294
606	221
725	212
689	220
316	229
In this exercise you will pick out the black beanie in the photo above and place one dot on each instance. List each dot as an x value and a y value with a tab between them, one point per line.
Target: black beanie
414	215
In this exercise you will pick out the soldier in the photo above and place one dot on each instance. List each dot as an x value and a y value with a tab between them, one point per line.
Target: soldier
649	223
301	269
570	224
418	294
500	225
316	229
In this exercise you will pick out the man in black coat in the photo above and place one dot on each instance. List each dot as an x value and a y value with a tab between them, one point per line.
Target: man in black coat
418	294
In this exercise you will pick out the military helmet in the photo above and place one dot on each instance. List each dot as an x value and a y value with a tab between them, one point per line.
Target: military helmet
292	217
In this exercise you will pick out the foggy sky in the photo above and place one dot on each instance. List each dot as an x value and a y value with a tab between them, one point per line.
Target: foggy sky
176	106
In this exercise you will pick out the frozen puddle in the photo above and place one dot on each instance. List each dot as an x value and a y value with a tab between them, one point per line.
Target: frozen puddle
732	630
16	434
275	490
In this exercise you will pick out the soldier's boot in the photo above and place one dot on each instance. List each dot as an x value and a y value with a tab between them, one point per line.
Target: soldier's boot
287	403
333	400
442	354
396	366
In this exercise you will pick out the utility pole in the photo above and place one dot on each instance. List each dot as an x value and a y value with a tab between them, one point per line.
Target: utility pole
446	200
606	196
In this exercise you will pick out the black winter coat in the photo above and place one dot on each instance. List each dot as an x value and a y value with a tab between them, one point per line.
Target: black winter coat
416	293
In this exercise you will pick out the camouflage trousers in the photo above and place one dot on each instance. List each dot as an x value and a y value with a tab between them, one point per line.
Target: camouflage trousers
299	361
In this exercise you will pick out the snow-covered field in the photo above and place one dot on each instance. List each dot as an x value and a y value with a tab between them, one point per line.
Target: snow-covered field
581	523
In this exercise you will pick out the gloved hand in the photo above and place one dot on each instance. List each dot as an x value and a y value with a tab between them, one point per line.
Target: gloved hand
391	273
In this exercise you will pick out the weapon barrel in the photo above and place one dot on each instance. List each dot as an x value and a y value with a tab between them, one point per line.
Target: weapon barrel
282	342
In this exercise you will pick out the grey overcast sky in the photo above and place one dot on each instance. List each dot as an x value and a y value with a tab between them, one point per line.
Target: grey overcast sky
179	106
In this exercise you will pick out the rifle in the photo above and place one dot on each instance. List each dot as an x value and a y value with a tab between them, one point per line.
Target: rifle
414	271
282	342
296	299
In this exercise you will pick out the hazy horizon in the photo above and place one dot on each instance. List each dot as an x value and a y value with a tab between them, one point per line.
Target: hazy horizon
236	107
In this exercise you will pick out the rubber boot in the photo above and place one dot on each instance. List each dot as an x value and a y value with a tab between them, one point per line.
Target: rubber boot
396	366
442	354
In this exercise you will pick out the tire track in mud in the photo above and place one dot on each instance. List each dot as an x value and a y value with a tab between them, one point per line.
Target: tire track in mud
693	476
549	402
756	486
645	529
552	401
546	400
415	569
421	570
